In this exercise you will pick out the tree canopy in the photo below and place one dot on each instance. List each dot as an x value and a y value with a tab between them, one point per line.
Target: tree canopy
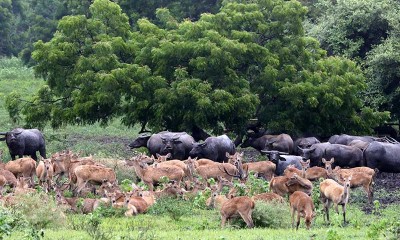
248	60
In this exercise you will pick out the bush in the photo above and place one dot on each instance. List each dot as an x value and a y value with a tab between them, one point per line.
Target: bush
7	222
172	207
40	210
271	215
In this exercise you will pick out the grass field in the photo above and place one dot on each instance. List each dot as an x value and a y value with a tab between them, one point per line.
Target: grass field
180	220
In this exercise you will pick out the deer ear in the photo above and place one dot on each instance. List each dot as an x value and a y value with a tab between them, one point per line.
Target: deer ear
158	155
169	155
332	160
227	155
323	160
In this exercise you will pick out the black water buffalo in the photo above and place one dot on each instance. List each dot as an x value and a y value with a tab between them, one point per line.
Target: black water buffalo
282	160
304	143
178	144
22	142
359	144
345	156
383	156
315	153
140	141
214	148
281	142
345	139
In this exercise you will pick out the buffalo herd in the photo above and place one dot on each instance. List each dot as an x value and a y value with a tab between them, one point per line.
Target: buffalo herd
348	151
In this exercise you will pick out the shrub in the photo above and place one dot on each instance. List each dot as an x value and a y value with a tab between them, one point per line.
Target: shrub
172	207
272	215
256	185
7	222
40	210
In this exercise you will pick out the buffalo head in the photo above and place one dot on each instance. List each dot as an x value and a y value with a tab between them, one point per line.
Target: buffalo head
169	144
140	141
274	156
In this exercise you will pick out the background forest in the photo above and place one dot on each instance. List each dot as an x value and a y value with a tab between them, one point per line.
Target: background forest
314	67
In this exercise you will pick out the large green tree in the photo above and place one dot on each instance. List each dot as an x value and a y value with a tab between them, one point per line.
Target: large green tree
367	31
249	60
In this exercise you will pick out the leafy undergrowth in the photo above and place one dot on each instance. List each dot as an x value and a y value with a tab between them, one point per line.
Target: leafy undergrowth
205	224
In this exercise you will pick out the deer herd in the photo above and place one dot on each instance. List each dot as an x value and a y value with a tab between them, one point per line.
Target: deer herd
185	179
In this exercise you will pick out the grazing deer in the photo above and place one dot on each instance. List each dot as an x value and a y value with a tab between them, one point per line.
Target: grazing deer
242	206
333	192
303	204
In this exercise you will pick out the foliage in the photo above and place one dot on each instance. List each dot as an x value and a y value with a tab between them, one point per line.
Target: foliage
258	64
171	207
93	228
271	215
256	185
7	222
39	210
352	28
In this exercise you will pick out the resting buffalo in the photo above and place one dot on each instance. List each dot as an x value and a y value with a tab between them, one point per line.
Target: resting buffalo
304	143
25	142
281	142
214	148
345	139
282	160
178	144
383	156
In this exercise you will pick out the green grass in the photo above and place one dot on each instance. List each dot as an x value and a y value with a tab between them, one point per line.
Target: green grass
205	224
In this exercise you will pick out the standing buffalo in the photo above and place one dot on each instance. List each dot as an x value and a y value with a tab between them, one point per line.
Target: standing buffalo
345	156
214	148
345	139
315	153
282	160
281	142
304	143
25	142
178	144
383	156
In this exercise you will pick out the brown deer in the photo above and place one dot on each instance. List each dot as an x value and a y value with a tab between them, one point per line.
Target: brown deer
162	161
333	192
313	173
150	175
268	197
359	179
93	174
304	206
44	172
24	167
242	206
284	185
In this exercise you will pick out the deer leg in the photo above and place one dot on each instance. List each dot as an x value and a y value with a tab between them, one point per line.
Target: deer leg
223	221
298	220
344	213
247	218
292	211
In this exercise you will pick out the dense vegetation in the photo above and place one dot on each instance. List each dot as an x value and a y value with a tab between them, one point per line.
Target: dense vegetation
239	60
